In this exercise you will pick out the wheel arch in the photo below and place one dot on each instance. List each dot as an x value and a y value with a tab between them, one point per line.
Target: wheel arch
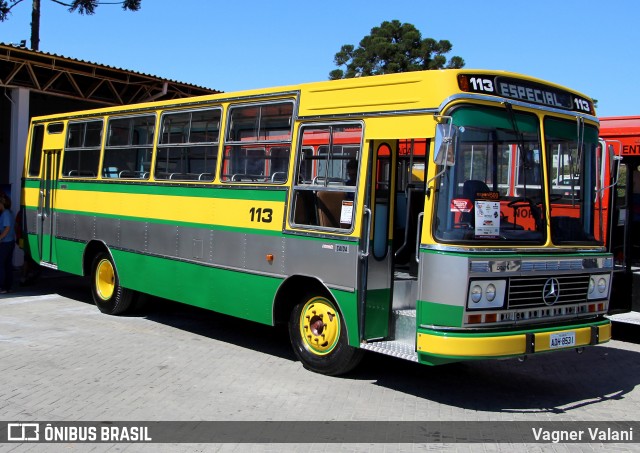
290	293
90	252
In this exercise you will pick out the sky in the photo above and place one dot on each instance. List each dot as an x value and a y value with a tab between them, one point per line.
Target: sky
587	45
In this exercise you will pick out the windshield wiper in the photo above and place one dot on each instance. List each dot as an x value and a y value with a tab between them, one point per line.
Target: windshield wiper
527	163
520	138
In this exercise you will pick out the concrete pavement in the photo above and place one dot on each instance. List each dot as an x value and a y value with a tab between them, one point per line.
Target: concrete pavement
62	360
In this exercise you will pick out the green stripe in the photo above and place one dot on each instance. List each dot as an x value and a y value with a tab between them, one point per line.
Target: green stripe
430	313
229	192
241	294
516	330
223	192
510	254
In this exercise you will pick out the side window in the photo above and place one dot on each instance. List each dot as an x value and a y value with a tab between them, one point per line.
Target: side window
129	146
188	145
258	143
35	151
82	151
326	176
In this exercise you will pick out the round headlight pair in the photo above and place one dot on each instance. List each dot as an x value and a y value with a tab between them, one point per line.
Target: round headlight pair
489	293
601	285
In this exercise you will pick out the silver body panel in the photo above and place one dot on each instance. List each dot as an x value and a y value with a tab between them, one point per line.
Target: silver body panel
440	278
333	263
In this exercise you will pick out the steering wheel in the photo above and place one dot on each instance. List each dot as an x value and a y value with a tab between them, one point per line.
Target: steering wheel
527	200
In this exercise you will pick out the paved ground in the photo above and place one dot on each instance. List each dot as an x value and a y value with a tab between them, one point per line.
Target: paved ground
61	360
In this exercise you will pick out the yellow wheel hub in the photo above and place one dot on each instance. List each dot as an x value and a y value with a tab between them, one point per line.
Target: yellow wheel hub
105	279
319	326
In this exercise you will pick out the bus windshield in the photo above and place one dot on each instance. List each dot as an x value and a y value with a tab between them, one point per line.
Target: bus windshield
575	175
495	191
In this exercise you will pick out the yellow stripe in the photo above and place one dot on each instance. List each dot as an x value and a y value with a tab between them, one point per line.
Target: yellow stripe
499	346
210	211
471	346
30	197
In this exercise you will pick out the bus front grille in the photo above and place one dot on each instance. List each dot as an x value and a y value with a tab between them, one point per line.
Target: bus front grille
530	291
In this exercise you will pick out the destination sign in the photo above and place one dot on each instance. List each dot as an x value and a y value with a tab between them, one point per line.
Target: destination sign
524	90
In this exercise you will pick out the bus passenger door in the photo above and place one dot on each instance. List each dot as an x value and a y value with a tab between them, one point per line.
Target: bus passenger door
46	197
396	198
379	256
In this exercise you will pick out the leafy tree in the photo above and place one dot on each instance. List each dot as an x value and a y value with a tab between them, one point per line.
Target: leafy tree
393	47
82	6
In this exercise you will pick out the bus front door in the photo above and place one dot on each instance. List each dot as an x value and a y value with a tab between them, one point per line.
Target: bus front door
45	223
379	262
397	200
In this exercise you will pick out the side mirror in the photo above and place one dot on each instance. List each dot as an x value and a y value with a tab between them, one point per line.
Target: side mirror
445	144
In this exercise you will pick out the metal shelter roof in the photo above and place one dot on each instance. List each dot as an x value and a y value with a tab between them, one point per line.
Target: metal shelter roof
87	81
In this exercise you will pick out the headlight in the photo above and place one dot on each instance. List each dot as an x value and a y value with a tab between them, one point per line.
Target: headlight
484	294
599	286
476	294
490	293
602	285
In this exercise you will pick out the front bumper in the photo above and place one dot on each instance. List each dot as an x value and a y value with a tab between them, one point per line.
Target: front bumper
436	346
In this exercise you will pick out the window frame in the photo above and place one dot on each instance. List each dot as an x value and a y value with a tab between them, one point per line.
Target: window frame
259	141
81	173
189	145
328	184
148	146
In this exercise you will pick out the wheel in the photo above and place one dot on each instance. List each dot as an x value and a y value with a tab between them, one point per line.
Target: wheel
108	295
319	337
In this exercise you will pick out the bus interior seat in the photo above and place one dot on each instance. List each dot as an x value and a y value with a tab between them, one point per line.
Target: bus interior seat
329	208
470	189
110	172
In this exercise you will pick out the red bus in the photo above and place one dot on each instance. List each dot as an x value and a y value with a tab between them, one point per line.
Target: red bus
621	136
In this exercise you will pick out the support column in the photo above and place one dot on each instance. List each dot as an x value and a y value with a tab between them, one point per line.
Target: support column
17	146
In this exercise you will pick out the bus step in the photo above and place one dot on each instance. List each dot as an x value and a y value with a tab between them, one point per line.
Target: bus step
393	348
405	292
404	322
404	343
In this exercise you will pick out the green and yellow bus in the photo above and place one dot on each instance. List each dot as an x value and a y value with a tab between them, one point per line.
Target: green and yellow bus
411	214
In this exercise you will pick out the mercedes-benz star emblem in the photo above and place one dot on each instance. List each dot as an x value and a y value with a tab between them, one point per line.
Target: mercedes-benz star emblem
551	291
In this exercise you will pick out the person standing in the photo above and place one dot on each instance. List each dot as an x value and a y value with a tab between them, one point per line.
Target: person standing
7	244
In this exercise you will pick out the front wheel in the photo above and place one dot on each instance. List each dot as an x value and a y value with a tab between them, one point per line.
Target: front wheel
319	337
108	295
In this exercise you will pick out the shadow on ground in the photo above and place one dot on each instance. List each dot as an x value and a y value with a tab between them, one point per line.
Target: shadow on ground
556	383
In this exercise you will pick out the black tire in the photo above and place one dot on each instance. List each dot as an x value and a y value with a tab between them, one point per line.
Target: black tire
108	295
319	337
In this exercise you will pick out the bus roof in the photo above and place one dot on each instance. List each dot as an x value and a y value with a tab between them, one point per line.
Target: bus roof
619	126
385	93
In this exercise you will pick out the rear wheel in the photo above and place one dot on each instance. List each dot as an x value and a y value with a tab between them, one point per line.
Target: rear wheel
108	295
319	337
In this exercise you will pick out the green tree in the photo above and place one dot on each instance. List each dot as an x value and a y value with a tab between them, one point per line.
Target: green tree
393	47
82	6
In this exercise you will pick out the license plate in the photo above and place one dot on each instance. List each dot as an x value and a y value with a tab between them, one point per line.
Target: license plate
562	340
